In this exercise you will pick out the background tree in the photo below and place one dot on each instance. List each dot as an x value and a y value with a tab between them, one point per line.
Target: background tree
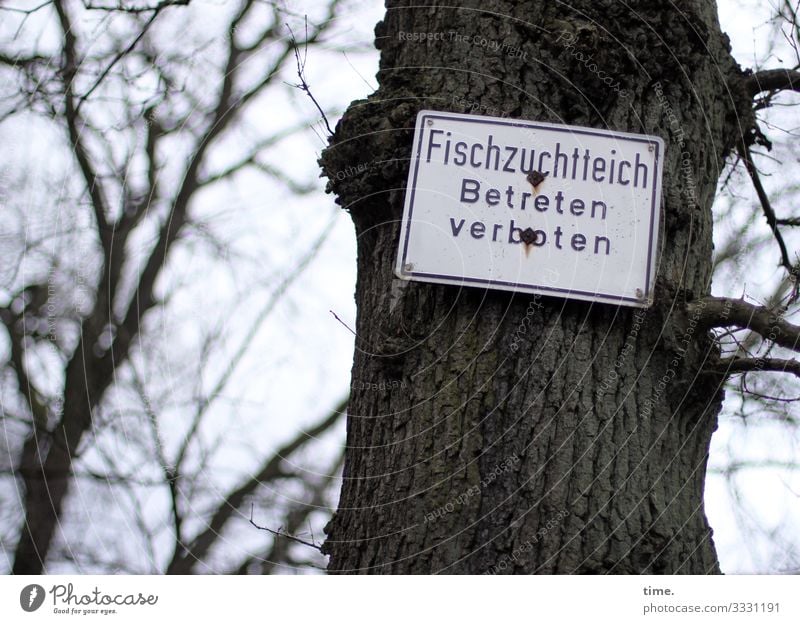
122	383
202	425
576	471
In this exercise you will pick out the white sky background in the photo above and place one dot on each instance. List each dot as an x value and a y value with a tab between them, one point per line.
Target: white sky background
298	365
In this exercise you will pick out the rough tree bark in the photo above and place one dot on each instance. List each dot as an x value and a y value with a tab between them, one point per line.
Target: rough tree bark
585	449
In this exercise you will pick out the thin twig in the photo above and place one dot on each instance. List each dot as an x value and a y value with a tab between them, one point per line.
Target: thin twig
28	11
343	323
279	533
766	206
301	69
122	53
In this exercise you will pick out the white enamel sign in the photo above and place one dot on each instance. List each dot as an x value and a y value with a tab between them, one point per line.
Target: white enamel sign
532	207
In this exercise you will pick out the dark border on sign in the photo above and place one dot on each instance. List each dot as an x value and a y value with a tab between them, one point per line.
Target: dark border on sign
543	126
531	287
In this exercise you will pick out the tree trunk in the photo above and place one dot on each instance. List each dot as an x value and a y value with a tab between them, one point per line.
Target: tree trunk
584	449
46	466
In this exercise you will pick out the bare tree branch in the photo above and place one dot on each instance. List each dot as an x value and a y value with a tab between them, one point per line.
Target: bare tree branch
119	56
269	471
19	60
734	365
74	125
769	323
301	74
237	356
30	11
121	8
283	534
766	464
228	107
251	155
295	519
766	206
773	80
16	326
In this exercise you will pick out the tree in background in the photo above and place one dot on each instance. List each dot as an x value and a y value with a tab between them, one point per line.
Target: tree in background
111	374
536	459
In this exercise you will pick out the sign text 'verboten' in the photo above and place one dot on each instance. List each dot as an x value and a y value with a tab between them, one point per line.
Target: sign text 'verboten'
532	207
